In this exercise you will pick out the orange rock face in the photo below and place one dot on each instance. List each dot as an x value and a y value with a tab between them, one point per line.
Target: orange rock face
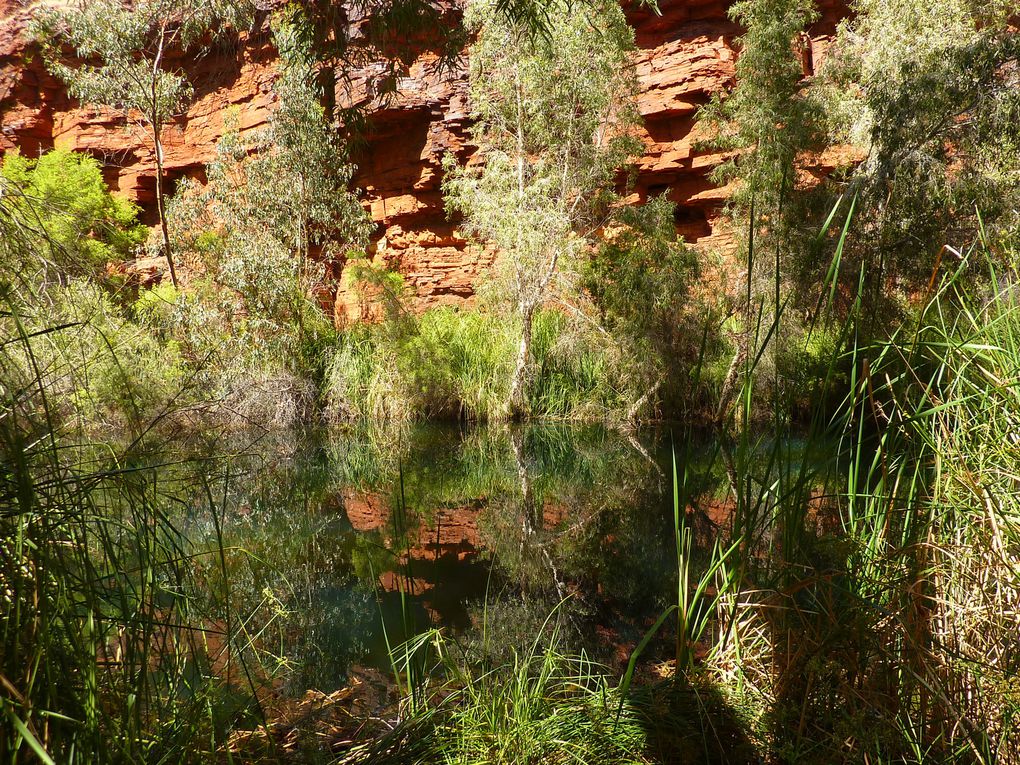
684	56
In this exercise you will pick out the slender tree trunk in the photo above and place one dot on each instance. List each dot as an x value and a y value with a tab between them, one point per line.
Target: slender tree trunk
629	434
157	124
530	518
161	205
637	406
520	376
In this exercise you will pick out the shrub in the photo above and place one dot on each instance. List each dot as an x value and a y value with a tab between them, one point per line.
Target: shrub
101	369
249	234
73	217
639	280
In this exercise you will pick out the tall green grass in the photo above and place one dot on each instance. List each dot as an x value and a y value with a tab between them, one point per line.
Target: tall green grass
111	648
456	364
875	617
542	706
932	506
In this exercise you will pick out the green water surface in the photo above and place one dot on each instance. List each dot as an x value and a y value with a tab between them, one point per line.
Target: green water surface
362	539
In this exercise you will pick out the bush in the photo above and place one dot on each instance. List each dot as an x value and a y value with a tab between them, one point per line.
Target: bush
639	281
259	237
102	370
73	216
452	363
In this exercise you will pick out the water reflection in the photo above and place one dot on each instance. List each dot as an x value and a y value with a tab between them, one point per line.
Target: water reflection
368	537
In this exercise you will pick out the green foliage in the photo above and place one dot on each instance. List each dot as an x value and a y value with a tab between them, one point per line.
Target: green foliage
447	363
879	553
767	120
767	116
804	360
456	364
131	43
543	706
931	91
251	229
104	609
155	305
102	371
121	53
474	352
269	200
639	281
933	477
63	204
552	117
289	184
927	90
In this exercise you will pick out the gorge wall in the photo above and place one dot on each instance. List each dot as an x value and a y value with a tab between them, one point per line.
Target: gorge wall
683	56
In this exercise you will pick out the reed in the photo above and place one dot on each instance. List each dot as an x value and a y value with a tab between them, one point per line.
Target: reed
112	650
874	616
542	706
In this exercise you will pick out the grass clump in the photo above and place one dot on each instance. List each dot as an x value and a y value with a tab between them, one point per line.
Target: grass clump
542	706
454	364
932	511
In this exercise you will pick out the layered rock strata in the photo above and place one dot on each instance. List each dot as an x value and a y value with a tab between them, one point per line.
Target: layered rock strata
684	55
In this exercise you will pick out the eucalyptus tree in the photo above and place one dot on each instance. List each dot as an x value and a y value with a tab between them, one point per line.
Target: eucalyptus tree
931	92
272	199
765	115
121	60
291	180
766	120
552	116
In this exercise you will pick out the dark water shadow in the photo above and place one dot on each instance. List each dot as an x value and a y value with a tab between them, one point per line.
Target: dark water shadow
693	724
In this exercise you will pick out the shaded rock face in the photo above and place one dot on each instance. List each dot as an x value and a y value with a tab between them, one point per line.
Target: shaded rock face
684	56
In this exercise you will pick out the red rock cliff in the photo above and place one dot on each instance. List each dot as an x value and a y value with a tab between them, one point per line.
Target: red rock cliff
684	55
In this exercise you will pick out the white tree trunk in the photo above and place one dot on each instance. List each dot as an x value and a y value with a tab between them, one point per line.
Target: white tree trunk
518	404
636	408
730	387
157	127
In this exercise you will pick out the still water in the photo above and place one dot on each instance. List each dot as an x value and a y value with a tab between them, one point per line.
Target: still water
363	539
